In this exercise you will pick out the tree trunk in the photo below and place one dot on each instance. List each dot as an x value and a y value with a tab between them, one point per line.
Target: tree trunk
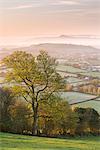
35	121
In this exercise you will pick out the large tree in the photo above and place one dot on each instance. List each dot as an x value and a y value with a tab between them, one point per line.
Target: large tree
33	78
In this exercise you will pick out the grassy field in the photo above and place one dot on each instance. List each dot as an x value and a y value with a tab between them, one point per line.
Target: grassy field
91	104
75	97
74	70
69	69
91	74
75	81
19	142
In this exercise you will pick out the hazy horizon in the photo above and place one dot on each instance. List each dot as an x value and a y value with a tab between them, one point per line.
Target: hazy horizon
49	17
87	40
27	22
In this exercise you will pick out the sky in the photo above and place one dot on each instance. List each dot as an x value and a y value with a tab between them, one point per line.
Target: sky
49	17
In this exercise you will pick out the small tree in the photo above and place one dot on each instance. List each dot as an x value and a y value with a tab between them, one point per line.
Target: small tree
35	79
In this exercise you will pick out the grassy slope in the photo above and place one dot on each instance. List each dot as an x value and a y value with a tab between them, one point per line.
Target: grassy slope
90	104
19	142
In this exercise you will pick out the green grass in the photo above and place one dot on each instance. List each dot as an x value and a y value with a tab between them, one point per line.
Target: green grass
75	97
91	74
91	104
71	69
20	142
75	81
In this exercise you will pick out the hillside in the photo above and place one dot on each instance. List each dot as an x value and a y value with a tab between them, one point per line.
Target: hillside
61	50
55	50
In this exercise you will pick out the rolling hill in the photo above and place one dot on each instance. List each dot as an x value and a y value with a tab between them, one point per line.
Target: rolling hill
55	50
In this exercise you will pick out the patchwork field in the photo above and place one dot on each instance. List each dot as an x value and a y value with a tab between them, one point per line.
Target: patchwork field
75	81
73	97
76	97
92	74
70	69
20	142
82	99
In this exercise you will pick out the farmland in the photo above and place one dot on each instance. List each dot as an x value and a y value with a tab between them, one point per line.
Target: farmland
71	69
73	97
76	97
89	104
75	77
21	142
91	74
75	81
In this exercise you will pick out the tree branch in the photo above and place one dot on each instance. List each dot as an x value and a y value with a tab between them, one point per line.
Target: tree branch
27	100
41	90
50	94
45	116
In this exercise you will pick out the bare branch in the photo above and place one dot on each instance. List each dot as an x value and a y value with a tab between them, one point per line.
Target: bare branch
41	90
27	100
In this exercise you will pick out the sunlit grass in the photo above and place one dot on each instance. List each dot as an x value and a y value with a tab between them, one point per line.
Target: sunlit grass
20	142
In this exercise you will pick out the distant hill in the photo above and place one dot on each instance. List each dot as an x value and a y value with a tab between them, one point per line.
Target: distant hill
55	50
